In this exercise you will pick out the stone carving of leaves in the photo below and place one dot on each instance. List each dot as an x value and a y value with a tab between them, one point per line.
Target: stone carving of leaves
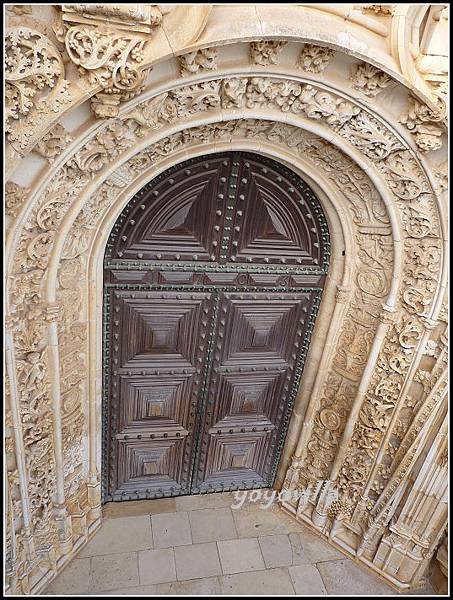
196	98
233	92
32	64
314	58
317	104
15	196
262	90
111	59
368	79
423	123
266	53
204	59
107	145
370	137
53	143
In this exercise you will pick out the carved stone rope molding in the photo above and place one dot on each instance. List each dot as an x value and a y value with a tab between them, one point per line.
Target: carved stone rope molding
95	178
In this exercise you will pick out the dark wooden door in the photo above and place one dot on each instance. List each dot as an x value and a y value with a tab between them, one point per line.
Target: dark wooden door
213	277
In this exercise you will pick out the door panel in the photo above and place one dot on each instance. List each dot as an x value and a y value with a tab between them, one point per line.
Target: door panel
213	275
259	342
158	353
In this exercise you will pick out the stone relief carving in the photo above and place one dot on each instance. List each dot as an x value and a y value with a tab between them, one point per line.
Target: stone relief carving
314	59
201	60
33	69
266	53
15	197
53	143
368	79
378	9
412	197
425	124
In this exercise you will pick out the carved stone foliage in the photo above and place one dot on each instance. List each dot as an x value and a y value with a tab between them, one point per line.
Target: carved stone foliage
266	53
201	60
53	143
368	79
15	196
380	10
314	59
425	124
33	68
110	59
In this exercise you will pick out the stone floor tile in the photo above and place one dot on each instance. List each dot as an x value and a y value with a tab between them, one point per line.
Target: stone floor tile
126	534
201	501
171	529
113	571
276	550
343	577
238	556
253	521
212	525
312	549
307	580
142	590
209	586
270	582
135	508
74	579
156	566
196	561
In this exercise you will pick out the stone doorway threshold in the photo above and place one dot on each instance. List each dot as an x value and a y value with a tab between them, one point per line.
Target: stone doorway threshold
199	545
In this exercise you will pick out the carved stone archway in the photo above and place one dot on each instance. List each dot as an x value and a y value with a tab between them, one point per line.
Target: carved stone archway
383	303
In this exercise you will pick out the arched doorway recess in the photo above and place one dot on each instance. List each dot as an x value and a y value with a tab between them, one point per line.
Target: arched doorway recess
213	276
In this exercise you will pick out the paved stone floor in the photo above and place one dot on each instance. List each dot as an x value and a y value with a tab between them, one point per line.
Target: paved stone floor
199	545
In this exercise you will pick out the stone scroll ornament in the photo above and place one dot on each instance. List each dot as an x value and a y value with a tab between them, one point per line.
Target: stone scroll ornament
34	81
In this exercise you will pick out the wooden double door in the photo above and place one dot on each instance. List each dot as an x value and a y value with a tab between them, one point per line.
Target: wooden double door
213	276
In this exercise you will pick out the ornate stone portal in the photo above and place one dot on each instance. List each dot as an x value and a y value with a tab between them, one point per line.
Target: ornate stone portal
366	450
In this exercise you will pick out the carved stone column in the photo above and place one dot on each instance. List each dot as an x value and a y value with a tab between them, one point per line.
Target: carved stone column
413	536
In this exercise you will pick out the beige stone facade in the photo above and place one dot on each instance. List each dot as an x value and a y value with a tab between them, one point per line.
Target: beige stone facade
102	98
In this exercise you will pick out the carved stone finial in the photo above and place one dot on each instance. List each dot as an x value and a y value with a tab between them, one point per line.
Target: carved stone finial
266	53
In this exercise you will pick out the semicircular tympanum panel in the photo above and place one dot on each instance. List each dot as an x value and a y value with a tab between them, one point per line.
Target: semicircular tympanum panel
213	276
